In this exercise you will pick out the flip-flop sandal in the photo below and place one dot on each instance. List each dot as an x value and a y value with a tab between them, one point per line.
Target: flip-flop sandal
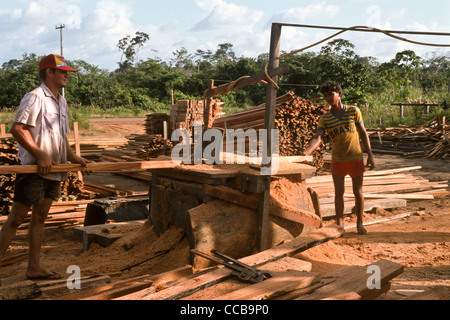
51	276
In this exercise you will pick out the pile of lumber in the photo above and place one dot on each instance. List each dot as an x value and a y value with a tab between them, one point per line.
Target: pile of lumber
154	123
296	119
146	146
382	189
186	113
430	139
8	156
90	148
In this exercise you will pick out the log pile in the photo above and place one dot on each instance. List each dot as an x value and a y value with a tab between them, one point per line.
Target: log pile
8	156
430	140
296	119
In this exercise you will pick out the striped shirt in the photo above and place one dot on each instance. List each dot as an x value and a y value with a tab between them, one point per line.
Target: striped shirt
343	133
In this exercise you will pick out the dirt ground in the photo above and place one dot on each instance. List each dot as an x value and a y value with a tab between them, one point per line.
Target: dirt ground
420	242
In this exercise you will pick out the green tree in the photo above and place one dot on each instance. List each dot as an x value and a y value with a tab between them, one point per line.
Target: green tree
130	48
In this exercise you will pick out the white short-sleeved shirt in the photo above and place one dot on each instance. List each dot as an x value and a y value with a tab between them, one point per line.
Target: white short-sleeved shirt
49	125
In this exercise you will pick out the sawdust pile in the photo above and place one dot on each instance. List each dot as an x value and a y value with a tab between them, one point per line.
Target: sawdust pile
142	252
290	192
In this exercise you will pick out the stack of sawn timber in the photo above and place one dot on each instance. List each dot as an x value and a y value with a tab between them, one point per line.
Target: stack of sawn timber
295	118
292	279
430	140
382	189
154	123
8	156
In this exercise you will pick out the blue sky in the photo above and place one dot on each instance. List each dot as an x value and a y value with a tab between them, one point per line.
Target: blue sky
94	27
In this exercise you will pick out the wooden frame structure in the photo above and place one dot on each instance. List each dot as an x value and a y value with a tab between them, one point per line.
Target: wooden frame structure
274	62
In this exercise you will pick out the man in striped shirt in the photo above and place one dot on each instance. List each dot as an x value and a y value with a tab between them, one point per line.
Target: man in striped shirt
345	127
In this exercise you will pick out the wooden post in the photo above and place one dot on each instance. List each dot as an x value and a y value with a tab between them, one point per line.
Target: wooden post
208	106
269	124
2	131
165	136
77	147
401	110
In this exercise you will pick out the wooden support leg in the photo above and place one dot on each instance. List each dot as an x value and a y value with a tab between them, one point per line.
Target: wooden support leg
263	218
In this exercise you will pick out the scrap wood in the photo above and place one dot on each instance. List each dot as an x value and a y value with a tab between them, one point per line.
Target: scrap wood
381	220
59	287
280	283
354	279
161	281
12	259
299	244
20	291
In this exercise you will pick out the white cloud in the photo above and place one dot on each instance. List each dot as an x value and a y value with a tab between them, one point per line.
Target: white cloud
53	12
225	15
303	14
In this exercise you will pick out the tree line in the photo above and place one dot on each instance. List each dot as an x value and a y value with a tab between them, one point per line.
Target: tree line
147	85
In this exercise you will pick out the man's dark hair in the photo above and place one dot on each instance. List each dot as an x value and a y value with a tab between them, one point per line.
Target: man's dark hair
331	86
43	74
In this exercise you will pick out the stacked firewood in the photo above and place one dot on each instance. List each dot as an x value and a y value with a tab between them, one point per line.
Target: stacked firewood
74	187
154	148
8	156
295	118
430	140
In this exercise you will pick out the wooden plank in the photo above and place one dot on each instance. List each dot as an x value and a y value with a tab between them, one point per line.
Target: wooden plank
299	244
58	287
296	215
345	296
436	293
12	259
20	291
92	167
354	279
280	283
248	200
408	196
159	281
328	210
381	220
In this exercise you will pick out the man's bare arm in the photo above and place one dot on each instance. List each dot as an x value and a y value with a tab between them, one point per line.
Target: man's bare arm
366	142
315	142
23	136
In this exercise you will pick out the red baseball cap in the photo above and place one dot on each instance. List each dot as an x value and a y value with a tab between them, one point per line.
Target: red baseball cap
56	62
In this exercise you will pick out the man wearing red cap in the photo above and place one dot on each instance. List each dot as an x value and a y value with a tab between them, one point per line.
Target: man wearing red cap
40	128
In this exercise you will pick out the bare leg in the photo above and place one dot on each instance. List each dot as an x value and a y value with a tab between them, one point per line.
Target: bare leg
17	215
36	233
359	203
339	188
